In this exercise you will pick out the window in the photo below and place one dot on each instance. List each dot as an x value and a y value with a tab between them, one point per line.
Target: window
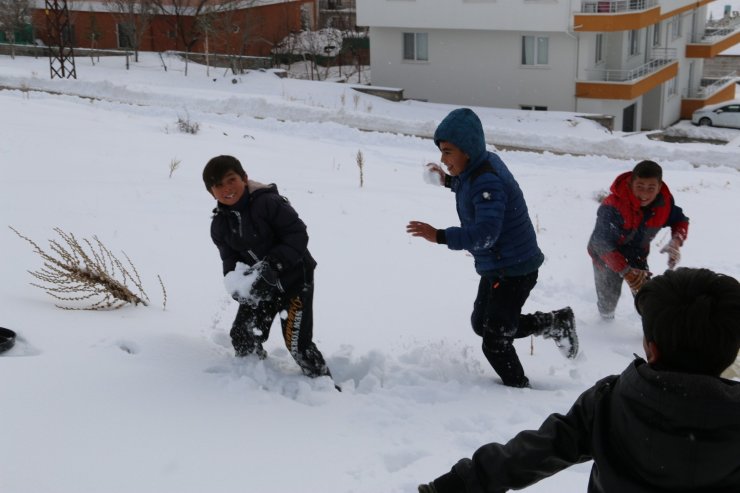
634	41
676	27
656	34
415	46
599	48
125	36
531	107
68	34
672	86
534	50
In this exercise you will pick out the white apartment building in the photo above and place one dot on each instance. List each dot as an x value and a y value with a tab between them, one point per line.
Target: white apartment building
640	61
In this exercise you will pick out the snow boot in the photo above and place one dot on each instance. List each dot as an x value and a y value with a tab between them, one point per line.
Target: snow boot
244	349
563	332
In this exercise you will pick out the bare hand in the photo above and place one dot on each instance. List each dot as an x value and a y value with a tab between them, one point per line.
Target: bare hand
423	230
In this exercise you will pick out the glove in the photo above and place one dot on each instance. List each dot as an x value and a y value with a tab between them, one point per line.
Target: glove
673	249
427	488
636	278
250	285
267	282
434	174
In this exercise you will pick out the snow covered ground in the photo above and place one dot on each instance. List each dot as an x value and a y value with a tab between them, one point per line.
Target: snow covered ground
151	400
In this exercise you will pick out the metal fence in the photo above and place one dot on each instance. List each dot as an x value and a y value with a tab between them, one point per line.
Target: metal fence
615	6
659	58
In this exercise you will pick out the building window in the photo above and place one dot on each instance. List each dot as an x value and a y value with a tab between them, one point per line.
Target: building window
416	46
68	34
672	86
125	36
599	48
534	50
532	107
634	41
656	34
676	27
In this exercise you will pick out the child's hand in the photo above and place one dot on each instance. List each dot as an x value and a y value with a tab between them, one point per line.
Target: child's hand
636	278
673	249
434	174
423	230
252	284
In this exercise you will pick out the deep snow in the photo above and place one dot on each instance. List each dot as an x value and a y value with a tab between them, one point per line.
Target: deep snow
150	400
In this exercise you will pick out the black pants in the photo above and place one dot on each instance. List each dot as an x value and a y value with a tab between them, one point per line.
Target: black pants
252	326
497	317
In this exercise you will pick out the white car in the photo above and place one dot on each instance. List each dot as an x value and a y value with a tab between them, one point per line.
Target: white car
725	114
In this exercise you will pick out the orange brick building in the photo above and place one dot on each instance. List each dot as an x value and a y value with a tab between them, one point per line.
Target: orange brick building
251	27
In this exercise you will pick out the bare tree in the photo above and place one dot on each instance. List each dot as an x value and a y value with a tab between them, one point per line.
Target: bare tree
185	18
133	18
14	15
93	33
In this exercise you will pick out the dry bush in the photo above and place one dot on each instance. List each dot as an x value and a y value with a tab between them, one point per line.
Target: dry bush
87	271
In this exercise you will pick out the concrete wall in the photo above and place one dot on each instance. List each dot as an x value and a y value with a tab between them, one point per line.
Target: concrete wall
500	15
476	68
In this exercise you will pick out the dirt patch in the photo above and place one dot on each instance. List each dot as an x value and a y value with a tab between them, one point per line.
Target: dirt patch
683	139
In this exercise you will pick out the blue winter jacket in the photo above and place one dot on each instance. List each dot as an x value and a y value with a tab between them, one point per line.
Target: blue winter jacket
495	225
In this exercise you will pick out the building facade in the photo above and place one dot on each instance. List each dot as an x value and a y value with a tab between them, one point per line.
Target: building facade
640	61
250	27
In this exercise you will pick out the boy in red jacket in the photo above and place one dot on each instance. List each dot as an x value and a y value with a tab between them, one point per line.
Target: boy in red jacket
638	206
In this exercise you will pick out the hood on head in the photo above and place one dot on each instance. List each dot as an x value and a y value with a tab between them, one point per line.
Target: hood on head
463	128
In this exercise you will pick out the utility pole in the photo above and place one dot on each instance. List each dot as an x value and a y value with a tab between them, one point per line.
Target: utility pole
61	55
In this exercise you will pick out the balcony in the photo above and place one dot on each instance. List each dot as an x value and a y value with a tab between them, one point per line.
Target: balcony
716	38
615	15
713	89
615	6
631	83
659	58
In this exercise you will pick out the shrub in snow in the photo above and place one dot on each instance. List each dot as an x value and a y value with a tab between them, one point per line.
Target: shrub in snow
87	271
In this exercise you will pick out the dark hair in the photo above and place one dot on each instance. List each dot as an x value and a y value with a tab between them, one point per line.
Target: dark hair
647	169
693	317
217	168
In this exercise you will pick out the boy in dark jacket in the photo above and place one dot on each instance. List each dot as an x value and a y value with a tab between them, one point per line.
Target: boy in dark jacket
638	206
495	228
266	263
668	424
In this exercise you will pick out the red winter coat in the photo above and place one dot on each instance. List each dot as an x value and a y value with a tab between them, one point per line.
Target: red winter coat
624	230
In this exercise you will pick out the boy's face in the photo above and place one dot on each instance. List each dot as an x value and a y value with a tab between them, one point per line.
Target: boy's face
452	157
645	189
230	189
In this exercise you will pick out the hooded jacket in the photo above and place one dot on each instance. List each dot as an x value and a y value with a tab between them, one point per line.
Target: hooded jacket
647	431
263	225
494	222
624	230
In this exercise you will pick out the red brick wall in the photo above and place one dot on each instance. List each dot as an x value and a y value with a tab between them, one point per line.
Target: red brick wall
247	32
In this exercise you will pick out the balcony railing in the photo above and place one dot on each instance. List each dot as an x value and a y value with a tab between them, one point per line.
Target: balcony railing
711	84
615	6
659	58
716	30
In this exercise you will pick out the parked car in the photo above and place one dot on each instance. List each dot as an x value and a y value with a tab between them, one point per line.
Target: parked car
725	114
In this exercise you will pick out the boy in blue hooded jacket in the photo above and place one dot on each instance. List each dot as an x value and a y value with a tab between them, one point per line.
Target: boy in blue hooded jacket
496	229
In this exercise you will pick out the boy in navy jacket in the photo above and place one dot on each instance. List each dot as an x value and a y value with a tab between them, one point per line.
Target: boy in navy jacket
496	229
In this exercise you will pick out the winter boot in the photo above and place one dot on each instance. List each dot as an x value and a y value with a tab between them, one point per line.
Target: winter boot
563	332
502	356
247	348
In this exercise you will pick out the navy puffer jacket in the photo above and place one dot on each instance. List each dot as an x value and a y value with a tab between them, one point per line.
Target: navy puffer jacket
264	226
495	225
